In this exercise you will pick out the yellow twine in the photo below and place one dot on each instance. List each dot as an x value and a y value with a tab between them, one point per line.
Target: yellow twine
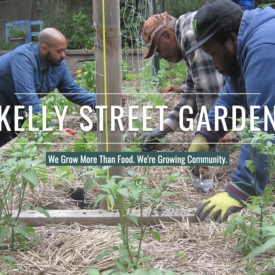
109	204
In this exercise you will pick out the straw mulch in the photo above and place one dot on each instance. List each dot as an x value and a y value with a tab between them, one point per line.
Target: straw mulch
185	247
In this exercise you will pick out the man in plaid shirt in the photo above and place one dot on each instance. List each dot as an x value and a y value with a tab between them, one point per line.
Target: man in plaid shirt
171	38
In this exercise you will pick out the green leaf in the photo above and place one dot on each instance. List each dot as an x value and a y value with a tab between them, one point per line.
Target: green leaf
71	177
131	173
9	198
138	124
127	150
89	184
31	178
123	192
55	183
133	219
243	226
105	168
120	266
28	232
251	246
270	229
245	251
43	211
254	253
92	271
239	245
155	234
8	258
269	244
100	198
4	231
123	252
155	271
130	76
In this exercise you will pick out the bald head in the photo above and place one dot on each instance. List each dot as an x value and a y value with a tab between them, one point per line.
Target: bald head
50	37
52	46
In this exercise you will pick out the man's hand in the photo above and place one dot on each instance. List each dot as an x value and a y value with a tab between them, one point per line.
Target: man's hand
199	144
174	89
150	139
218	207
69	131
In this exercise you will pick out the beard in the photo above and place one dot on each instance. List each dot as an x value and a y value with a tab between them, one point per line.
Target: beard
232	68
50	60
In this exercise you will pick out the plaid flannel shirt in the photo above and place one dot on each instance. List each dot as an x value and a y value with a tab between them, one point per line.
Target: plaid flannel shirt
203	82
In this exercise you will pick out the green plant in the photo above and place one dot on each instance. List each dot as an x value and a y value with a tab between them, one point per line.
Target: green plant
20	167
256	230
171	76
86	78
86	144
5	45
16	33
178	72
43	138
249	233
124	69
56	99
83	29
127	195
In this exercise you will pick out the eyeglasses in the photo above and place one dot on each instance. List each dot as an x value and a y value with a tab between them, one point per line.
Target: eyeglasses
155	50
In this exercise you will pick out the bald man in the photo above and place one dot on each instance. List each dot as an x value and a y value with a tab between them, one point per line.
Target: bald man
30	72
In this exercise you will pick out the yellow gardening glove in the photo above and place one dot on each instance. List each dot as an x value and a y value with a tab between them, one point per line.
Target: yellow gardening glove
218	207
199	144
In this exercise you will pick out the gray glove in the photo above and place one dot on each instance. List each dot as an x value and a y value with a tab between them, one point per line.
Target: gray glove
150	139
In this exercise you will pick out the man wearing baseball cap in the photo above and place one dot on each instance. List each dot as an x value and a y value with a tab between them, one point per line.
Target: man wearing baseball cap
242	47
171	38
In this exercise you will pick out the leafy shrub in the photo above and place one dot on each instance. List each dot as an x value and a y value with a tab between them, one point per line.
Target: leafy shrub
16	33
86	78
83	29
171	76
5	45
56	99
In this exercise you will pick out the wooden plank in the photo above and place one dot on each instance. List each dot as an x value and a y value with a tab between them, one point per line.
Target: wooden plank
91	217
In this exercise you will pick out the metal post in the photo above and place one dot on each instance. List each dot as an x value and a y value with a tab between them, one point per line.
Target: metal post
108	78
162	5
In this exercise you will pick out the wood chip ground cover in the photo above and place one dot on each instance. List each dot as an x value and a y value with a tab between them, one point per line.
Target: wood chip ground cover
185	247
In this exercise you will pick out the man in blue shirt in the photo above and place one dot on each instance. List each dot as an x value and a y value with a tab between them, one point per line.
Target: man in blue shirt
30	72
241	44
